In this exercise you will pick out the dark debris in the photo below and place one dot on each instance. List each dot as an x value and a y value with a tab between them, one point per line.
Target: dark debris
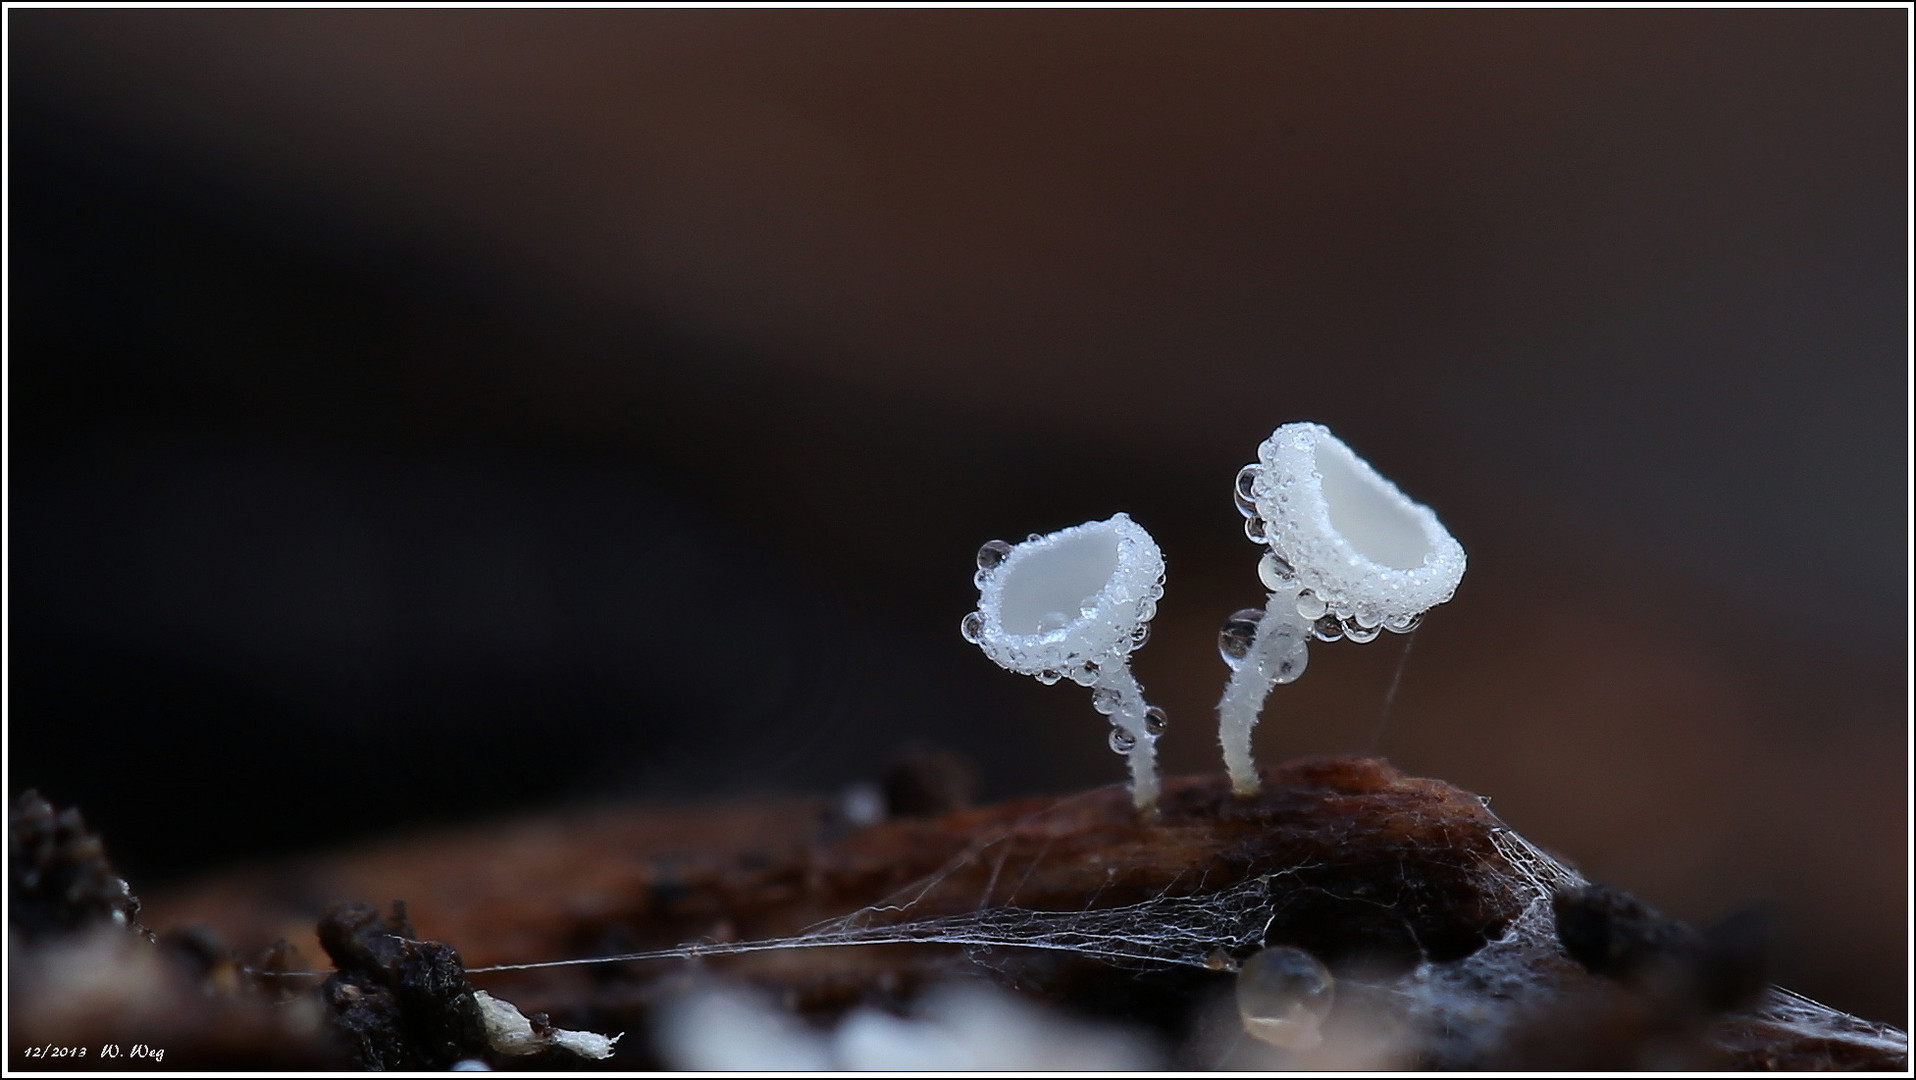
399	1002
1614	934
58	878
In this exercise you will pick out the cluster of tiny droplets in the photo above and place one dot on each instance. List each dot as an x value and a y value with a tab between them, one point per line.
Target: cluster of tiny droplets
1278	575
1082	665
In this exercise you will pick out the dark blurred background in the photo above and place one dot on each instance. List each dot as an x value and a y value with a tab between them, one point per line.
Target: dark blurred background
420	416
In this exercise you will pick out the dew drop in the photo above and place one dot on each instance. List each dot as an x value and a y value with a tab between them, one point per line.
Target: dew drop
1242	490
1360	633
1275	571
1283	996
1328	627
1049	678
1141	635
1293	664
973	627
1310	605
1239	632
1105	700
1255	530
1122	741
992	554
1219	960
1033	536
1403	624
1247	479
1155	721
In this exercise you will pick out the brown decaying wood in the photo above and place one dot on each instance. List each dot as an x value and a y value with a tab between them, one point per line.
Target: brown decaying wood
1368	869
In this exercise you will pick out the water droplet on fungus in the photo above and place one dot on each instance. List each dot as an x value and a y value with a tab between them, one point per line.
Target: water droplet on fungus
1275	572
1241	491
1293	663
1239	631
992	554
1310	605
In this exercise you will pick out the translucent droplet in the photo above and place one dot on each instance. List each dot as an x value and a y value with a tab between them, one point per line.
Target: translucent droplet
1274	571
1105	700
1155	721
1147	609
1328	627
1033	536
1283	996
1049	678
1122	741
1247	479
992	554
1239	632
1403	624
973	627
1219	960
1310	605
1360	633
1242	490
1141	635
1292	664
1255	530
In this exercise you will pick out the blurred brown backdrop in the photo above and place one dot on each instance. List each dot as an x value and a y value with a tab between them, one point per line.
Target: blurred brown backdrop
467	411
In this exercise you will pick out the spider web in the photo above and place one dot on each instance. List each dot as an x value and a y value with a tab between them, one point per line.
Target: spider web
1189	928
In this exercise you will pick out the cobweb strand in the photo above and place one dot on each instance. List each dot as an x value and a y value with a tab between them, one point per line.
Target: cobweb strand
1163	932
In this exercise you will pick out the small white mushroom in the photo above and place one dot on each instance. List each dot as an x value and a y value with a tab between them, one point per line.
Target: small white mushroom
1073	605
509	1032
1349	557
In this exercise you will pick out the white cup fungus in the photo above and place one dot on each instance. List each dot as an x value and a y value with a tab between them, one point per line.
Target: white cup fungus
1349	557
1073	604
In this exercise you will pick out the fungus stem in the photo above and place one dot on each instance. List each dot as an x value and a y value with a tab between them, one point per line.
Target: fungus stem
1276	655
1130	723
